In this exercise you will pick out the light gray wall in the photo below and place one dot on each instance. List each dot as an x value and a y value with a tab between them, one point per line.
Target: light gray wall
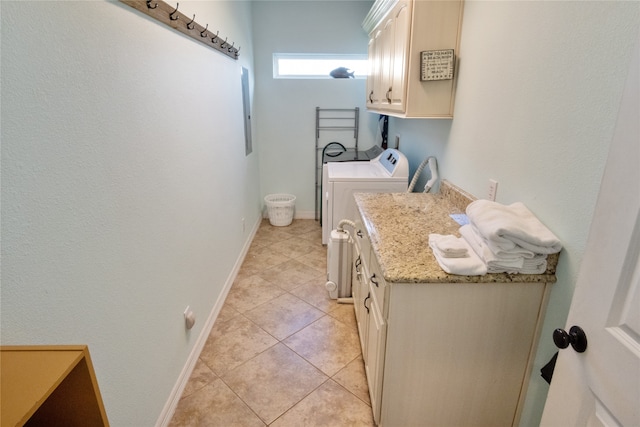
538	94
124	185
286	120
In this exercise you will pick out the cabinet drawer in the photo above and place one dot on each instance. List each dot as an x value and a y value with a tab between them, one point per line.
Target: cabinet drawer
377	284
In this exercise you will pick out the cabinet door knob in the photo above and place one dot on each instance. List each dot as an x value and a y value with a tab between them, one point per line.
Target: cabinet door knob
359	233
388	97
365	301
375	282
371	97
576	337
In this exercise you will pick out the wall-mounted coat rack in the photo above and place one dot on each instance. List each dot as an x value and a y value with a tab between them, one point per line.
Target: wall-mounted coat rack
169	15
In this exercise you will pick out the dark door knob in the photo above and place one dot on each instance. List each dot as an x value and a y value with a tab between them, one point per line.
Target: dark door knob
576	337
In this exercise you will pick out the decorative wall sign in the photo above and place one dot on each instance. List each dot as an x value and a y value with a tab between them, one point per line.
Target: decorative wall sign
437	64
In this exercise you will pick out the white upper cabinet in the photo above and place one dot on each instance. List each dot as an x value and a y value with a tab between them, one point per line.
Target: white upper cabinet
399	31
401	39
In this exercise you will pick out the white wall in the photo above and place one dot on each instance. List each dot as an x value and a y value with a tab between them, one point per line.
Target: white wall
124	182
286	123
538	93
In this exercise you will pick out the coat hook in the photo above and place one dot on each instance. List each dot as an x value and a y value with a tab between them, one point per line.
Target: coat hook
215	37
224	43
190	25
204	31
231	48
172	13
149	5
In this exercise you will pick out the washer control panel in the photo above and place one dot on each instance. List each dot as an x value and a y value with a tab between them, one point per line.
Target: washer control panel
394	162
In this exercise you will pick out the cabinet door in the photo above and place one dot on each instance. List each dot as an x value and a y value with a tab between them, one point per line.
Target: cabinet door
363	322
400	51
375	78
356	269
459	354
359	294
385	41
372	75
375	356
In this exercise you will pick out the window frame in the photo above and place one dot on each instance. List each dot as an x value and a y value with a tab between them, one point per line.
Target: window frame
339	58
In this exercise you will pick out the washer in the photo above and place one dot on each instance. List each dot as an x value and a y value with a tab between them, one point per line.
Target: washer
334	154
386	173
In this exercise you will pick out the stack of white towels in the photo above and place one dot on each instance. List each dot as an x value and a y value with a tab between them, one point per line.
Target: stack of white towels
455	256
499	239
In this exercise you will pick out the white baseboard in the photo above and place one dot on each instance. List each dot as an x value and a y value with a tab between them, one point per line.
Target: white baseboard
297	214
305	215
170	406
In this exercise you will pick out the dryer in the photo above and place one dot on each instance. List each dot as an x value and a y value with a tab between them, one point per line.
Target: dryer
386	173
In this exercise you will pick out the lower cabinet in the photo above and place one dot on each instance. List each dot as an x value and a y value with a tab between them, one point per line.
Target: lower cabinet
360	292
374	362
445	354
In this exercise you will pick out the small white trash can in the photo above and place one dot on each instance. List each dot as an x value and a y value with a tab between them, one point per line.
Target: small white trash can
280	208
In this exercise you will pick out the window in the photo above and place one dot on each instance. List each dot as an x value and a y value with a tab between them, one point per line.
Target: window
316	66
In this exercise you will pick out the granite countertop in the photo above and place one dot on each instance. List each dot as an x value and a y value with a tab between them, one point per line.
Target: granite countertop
399	225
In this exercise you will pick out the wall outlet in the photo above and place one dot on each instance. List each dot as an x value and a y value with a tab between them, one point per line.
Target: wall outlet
493	189
189	318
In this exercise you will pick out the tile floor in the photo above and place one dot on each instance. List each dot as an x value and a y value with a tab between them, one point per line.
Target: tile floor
281	352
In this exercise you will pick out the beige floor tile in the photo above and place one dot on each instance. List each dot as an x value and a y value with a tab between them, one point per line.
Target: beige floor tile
214	405
284	315
268	234
303	226
315	293
345	314
274	381
243	274
291	274
317	258
328	406
294	247
227	312
353	378
234	342
250	291
315	235
327	343
201	376
260	258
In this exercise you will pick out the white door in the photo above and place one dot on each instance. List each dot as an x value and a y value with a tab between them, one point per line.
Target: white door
601	386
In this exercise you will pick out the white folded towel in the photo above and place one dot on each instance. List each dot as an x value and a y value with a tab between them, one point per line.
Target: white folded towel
449	246
494	263
504	251
537	265
471	265
509	225
510	263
